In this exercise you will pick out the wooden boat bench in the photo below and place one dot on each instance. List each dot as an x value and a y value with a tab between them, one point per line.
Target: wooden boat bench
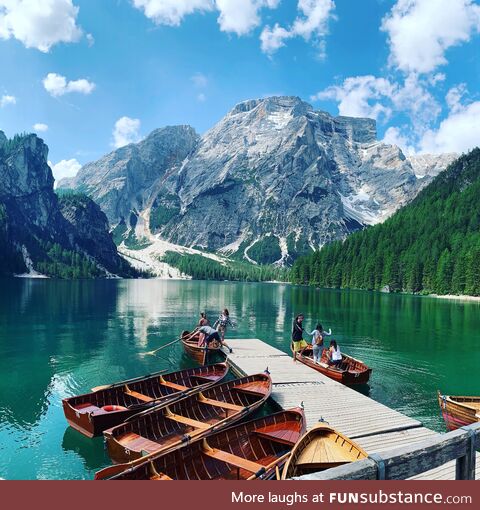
138	443
233	460
251	388
86	408
156	475
187	421
276	434
175	386
139	396
219	403
204	378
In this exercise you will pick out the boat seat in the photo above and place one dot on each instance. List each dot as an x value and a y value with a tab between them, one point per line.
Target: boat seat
188	421
205	378
277	434
87	407
160	476
175	386
219	403
233	460
140	396
138	443
252	388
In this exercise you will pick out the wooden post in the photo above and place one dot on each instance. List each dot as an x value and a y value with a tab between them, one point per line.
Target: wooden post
465	465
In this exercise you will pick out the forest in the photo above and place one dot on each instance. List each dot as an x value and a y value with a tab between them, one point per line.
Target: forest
430	246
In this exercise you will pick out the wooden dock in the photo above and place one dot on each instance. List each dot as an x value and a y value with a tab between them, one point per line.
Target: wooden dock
374	426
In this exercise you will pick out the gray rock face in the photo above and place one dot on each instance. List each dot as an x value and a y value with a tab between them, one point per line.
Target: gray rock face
31	219
122	181
273	176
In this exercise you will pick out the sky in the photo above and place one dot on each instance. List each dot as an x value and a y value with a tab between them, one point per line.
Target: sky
89	76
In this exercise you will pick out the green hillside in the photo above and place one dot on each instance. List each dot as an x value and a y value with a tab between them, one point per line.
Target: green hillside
430	246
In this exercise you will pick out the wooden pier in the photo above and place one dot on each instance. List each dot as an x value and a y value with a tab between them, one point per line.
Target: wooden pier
374	426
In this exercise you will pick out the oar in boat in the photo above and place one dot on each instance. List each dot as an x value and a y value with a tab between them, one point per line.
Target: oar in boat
152	353
121	383
273	464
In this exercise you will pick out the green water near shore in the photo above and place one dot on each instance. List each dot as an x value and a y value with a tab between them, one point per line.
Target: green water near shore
60	338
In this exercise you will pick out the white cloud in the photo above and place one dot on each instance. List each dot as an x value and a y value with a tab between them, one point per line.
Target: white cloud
126	131
65	168
40	127
39	24
171	12
421	31
457	133
57	85
6	100
454	97
199	80
312	22
360	96
201	97
395	136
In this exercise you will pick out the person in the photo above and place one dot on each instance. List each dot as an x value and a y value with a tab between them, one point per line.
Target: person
209	335
318	342
299	344
203	320
334	354
221	324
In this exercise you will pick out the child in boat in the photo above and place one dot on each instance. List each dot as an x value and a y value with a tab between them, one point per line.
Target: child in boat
299	344
318	344
203	320
334	354
221	324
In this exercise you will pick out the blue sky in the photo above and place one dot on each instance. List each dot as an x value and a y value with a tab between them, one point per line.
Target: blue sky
91	75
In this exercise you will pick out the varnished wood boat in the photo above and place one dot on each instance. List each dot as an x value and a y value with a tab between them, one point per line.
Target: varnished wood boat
94	412
321	448
350	371
169	426
459	411
201	354
252	450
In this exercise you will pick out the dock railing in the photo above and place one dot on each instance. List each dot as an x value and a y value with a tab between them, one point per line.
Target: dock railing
406	462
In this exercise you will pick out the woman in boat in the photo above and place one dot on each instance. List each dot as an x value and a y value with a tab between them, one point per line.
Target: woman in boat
203	320
318	344
334	354
209	335
299	344
221	324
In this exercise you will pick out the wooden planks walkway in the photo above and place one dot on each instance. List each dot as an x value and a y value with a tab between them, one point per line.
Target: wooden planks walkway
374	426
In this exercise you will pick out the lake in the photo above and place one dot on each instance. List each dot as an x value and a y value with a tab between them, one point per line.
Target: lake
60	338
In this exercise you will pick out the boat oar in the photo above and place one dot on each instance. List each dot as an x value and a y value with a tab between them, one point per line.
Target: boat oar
121	383
273	464
152	353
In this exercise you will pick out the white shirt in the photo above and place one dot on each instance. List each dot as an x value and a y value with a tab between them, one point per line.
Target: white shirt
337	355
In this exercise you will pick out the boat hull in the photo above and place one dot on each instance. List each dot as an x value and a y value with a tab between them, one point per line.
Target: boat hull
86	413
356	372
459	411
201	355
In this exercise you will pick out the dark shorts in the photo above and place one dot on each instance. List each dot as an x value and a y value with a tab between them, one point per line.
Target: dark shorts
212	337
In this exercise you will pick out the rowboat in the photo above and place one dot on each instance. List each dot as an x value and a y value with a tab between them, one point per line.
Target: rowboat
350	371
94	412
459	411
253	450
321	448
200	353
168	426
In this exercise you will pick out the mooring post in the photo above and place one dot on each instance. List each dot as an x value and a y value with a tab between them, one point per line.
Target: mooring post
465	466
380	465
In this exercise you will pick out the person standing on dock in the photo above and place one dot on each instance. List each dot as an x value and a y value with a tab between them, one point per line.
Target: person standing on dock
221	324
299	344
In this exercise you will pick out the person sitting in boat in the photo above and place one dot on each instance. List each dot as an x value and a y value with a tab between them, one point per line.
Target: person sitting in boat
221	324
299	344
203	320
334	354
209	335
318	344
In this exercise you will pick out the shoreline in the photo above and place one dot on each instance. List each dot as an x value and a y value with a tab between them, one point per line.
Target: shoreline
452	297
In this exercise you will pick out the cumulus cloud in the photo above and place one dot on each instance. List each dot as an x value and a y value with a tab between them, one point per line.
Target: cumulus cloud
6	100
421	31
236	16
39	24
126	131
66	168
40	127
397	136
57	85
312	22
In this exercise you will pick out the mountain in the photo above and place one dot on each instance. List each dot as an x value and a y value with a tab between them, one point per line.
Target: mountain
431	245
274	179
41	233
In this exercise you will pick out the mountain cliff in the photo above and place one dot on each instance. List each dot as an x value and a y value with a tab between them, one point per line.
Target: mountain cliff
40	233
274	179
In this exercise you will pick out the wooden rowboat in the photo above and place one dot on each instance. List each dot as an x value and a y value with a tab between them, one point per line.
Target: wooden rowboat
94	412
253	450
201	354
350	371
459	411
168	426
321	448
